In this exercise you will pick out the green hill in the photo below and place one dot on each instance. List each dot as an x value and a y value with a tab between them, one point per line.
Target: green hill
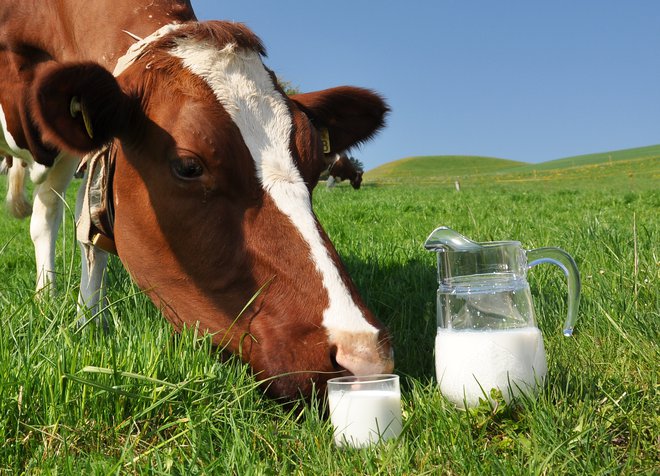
433	168
639	153
630	167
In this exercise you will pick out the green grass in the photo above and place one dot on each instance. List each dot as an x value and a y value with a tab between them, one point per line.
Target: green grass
434	167
629	168
141	400
637	153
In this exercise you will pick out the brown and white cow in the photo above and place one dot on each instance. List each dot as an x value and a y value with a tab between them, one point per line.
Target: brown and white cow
341	168
213	171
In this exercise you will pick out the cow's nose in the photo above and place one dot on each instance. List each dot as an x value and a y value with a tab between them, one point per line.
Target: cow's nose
363	355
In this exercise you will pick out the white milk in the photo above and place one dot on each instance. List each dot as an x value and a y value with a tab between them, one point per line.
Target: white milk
469	363
361	417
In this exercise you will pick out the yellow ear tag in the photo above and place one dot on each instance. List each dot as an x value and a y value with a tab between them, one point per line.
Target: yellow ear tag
76	106
325	140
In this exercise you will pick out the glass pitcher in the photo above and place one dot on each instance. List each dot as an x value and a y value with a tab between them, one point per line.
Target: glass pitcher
487	334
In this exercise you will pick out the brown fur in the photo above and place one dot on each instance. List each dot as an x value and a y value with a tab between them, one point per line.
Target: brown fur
35	34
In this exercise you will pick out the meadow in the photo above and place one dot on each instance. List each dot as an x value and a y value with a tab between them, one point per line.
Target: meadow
139	399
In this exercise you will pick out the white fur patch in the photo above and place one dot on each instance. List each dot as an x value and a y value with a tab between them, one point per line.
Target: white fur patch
246	91
138	47
8	144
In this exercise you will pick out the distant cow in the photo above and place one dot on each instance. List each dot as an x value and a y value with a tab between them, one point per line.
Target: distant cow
199	175
342	168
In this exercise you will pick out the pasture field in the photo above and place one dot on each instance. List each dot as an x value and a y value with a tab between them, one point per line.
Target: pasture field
139	400
637	168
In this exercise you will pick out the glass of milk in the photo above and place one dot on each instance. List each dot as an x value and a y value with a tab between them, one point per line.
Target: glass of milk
487	335
364	409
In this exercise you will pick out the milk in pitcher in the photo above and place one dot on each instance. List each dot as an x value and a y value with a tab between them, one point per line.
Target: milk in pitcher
470	363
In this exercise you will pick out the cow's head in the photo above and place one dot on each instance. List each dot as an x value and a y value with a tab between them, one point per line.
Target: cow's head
212	190
357	180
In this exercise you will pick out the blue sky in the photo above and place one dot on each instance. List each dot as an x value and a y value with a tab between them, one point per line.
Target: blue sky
523	80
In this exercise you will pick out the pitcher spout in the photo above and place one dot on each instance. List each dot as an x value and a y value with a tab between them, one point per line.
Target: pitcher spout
443	238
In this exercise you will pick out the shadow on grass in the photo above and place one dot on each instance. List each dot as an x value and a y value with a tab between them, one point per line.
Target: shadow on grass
403	297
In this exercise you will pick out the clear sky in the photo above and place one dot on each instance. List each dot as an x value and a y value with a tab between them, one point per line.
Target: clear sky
526	80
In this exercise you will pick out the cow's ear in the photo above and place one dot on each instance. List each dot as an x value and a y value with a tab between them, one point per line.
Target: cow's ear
79	107
350	115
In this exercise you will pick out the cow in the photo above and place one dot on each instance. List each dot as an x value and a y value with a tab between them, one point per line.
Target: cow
199	173
341	168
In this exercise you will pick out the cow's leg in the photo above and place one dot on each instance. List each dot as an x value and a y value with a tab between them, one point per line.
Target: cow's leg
91	297
47	216
94	261
18	203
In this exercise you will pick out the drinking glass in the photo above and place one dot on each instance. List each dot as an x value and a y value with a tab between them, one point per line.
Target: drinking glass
365	409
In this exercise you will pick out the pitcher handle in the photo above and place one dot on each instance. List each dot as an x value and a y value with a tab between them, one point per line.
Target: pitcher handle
562	259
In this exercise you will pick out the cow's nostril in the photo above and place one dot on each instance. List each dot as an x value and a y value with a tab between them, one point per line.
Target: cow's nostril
333	359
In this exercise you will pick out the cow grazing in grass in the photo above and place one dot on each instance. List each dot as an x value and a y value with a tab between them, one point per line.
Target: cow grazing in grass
342	168
199	175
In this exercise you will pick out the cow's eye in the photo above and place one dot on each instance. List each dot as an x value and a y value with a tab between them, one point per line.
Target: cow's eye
187	168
